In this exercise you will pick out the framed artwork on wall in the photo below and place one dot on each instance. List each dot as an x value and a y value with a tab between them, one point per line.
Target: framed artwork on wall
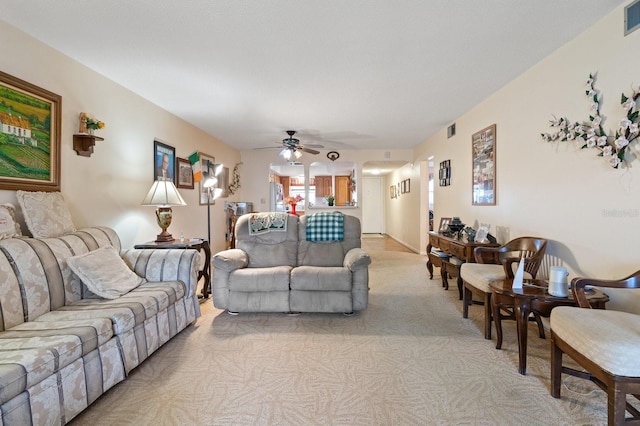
184	173
164	161
206	164
223	182
444	174
30	118
483	154
392	191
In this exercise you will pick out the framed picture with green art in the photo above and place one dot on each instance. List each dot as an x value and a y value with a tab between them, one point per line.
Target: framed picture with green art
30	118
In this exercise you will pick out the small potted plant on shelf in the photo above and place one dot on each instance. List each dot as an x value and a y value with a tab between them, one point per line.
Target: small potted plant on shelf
89	124
330	199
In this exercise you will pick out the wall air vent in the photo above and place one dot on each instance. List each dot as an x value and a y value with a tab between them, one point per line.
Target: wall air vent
451	130
632	17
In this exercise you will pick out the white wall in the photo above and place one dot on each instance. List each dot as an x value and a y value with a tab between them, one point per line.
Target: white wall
403	213
590	212
107	188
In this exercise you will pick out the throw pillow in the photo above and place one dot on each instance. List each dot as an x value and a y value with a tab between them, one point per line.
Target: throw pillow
9	226
45	213
105	273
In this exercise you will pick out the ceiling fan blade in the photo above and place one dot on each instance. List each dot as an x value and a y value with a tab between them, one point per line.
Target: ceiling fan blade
267	147
309	150
314	145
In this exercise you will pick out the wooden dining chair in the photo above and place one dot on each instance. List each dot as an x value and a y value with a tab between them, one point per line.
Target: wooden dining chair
605	343
499	263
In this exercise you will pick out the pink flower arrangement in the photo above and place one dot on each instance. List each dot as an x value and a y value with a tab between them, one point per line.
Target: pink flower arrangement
293	200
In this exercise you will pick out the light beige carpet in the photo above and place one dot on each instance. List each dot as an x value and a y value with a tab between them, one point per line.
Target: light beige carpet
409	359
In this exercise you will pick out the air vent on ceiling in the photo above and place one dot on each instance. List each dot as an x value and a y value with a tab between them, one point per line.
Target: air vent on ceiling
632	17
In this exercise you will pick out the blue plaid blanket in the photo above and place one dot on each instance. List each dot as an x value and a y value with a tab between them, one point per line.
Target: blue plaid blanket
325	226
259	223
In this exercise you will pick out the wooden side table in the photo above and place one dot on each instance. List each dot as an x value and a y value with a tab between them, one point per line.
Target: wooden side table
188	243
532	297
462	249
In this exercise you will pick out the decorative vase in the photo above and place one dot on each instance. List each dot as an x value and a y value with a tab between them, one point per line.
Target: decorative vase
330	203
293	209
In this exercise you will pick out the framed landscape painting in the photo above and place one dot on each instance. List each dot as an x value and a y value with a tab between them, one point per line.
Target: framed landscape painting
30	118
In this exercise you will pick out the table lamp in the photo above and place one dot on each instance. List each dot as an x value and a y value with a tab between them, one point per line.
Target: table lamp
163	194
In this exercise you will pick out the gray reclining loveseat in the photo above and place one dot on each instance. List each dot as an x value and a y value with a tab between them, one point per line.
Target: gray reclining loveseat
277	266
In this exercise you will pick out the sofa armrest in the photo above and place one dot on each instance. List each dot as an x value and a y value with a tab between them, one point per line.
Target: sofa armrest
165	265
230	260
356	258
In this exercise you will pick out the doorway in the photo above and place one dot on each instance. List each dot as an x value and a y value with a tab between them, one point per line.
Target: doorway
372	205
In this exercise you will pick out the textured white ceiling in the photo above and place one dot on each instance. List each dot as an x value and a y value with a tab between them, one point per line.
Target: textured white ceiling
361	74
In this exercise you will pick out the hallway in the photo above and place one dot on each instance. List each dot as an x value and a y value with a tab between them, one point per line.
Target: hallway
382	242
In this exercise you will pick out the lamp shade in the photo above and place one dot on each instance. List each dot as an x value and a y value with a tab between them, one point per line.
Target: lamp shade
163	193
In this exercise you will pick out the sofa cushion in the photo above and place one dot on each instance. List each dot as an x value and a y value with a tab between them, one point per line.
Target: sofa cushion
328	253
125	312
273	248
260	279
104	272
45	213
93	332
316	278
9	226
25	361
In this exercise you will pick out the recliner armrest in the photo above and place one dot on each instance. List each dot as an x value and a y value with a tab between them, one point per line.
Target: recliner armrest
356	258
230	260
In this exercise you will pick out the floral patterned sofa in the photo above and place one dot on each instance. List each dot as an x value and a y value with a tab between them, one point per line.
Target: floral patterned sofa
61	346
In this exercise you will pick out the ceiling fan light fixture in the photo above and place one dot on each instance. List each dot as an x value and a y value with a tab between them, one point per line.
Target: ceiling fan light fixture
297	154
286	154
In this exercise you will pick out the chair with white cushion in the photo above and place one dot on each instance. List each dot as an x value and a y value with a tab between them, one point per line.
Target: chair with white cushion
605	343
498	263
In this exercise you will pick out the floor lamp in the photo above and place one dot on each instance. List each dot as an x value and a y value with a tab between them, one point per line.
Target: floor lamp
209	182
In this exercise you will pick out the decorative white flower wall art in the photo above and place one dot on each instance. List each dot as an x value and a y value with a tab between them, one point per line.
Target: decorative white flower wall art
590	134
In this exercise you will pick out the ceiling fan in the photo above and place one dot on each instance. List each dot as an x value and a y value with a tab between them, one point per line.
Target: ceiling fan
292	147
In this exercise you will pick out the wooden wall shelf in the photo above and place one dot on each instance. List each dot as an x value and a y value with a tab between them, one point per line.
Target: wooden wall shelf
83	143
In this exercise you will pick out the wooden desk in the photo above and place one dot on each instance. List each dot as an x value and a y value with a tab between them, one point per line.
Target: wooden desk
189	243
462	249
532	297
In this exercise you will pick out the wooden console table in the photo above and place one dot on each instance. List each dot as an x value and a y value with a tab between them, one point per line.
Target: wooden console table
462	249
188	243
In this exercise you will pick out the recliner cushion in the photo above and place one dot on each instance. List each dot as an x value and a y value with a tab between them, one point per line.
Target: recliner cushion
260	279
316	278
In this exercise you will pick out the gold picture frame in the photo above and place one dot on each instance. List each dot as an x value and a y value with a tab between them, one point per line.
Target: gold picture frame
30	143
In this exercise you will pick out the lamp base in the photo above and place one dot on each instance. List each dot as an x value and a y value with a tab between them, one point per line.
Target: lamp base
164	237
164	215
